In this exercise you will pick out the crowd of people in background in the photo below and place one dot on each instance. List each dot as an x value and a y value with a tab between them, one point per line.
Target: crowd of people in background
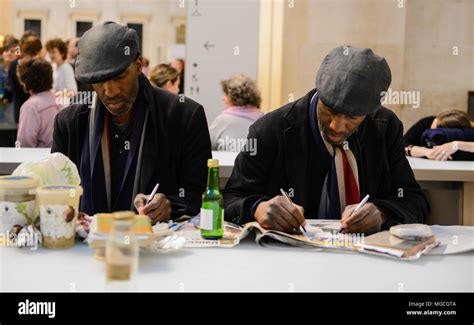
38	81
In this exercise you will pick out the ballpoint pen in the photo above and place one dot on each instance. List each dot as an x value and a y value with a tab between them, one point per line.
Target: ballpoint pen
360	205
150	197
289	200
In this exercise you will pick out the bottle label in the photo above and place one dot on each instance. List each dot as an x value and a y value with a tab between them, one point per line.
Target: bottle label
207	219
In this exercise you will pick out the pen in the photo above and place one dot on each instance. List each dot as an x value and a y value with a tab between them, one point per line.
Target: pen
289	200
150	197
360	205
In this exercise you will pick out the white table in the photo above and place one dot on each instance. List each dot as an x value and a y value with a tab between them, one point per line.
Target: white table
10	158
432	170
445	173
247	267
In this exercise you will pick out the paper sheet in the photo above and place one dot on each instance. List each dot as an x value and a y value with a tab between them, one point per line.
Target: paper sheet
453	239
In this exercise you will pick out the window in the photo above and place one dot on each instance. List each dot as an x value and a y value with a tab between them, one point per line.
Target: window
33	25
139	29
82	27
181	34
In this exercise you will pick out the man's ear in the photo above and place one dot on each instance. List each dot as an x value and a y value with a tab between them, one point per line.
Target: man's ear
139	64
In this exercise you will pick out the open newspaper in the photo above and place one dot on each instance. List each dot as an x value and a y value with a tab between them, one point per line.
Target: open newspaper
320	234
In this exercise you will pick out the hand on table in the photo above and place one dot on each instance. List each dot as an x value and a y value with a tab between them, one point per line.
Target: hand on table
279	214
368	219
444	151
158	210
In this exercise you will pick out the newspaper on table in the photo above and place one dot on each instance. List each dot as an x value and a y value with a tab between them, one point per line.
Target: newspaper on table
319	234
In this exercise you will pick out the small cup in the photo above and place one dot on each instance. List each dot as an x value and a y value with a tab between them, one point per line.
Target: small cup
58	209
17	202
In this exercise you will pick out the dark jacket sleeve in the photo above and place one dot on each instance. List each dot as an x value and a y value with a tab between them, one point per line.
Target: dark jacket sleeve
60	140
405	202
413	135
247	183
192	171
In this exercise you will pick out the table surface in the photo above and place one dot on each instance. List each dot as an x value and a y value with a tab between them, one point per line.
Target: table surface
424	169
246	267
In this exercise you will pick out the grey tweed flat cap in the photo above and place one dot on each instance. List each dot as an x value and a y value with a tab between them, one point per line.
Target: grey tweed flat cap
104	52
350	80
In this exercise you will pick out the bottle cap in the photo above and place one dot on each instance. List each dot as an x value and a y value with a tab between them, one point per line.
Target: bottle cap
212	163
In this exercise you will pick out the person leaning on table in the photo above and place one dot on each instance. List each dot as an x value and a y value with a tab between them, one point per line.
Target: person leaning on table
449	121
134	136
329	149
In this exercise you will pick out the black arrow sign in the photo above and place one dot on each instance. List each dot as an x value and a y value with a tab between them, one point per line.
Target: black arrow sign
208	45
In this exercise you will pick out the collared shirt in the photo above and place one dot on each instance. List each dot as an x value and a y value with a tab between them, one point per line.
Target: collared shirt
36	125
120	139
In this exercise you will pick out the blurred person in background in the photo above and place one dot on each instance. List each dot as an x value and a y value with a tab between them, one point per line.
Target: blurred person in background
453	139
166	77
146	67
72	52
36	125
71	45
242	102
63	78
178	64
30	47
10	51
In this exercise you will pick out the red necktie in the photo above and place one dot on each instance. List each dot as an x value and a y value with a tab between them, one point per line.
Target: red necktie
350	184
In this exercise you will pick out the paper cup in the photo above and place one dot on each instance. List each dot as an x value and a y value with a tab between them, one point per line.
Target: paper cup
17	202
58	209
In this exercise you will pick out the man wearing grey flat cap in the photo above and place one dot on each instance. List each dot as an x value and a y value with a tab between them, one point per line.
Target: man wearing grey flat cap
132	135
328	150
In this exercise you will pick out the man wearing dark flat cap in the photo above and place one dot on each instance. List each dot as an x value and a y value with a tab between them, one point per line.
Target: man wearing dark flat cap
328	150
132	135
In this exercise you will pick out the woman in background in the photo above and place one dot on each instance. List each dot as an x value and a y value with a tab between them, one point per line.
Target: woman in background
63	79
453	119
166	77
242	102
35	128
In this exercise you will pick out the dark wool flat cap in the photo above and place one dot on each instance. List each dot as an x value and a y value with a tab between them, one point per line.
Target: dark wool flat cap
350	80
105	51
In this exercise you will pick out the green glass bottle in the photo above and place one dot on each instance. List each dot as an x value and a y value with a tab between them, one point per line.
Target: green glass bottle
212	209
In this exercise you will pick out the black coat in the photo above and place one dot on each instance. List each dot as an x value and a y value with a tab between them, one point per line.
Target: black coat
175	150
286	157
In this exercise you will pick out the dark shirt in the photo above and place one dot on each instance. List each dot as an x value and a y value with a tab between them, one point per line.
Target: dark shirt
120	137
19	96
7	89
120	147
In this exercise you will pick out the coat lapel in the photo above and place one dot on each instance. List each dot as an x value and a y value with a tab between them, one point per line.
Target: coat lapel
370	146
297	151
154	146
81	125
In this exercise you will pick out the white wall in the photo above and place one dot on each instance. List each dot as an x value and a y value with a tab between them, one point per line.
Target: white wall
230	26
